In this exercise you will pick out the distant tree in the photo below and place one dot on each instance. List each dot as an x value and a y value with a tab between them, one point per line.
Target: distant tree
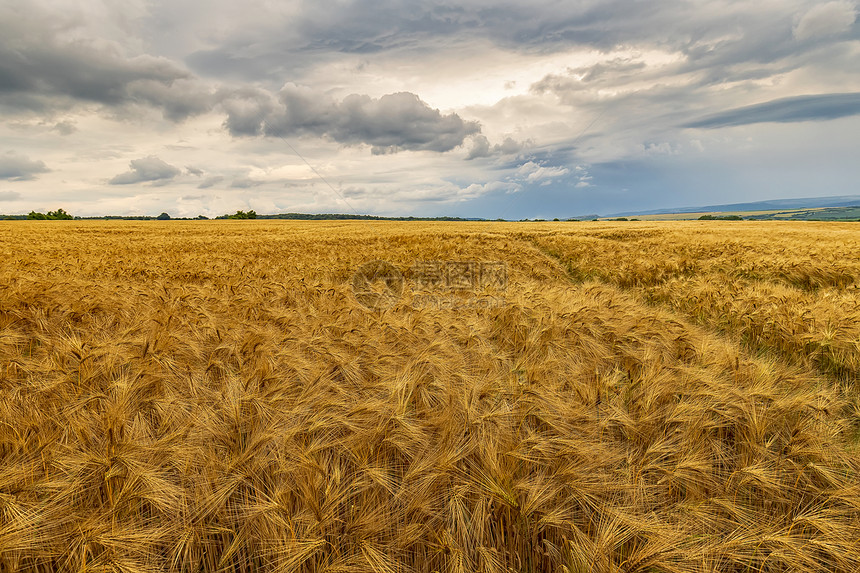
721	218
163	217
59	215
240	215
203	217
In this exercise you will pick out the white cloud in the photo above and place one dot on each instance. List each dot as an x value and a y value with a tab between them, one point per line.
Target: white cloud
534	172
477	189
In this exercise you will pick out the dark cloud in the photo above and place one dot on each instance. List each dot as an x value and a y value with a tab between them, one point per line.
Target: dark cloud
193	171
508	146
786	110
316	32
481	147
9	195
40	71
713	55
210	182
371	26
231	61
246	109
244	183
719	32
392	123
146	169
65	127
177	100
14	167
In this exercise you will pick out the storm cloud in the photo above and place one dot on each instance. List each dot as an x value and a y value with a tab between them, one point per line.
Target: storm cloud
14	167
146	169
392	123
210	181
786	110
481	147
44	67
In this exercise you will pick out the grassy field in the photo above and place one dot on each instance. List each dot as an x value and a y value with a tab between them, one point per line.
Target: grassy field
632	397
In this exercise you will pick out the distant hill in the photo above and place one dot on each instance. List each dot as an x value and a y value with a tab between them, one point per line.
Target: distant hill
772	205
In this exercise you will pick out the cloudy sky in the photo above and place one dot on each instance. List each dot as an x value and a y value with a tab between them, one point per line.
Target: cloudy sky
472	108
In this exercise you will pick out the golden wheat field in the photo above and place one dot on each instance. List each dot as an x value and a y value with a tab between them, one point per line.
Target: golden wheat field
632	397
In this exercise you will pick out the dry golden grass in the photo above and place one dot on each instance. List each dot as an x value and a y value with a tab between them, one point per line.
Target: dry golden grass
211	397
793	289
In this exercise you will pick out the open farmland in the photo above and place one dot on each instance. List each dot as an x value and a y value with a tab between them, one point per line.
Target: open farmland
640	397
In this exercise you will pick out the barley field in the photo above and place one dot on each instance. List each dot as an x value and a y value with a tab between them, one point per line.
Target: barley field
232	396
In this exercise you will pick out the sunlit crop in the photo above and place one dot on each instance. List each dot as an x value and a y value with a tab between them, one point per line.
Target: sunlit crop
211	396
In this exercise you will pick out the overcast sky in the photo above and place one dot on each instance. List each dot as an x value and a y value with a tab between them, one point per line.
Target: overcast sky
472	108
